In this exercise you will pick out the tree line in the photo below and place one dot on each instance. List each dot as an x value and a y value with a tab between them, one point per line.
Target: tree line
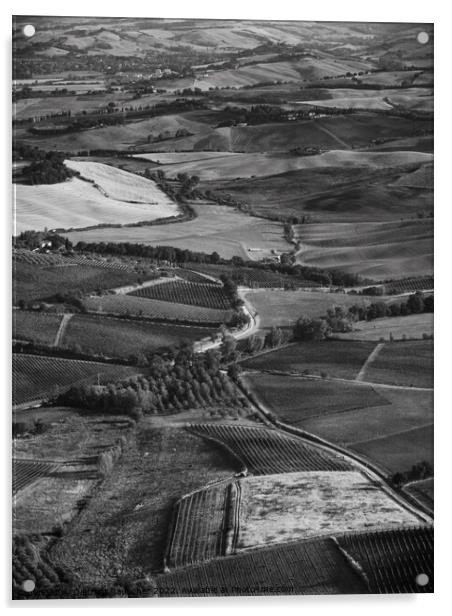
188	381
340	319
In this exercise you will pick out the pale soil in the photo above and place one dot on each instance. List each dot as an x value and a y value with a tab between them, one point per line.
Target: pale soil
280	508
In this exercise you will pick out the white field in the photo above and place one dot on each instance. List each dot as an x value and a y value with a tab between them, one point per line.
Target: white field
225	165
77	203
293	506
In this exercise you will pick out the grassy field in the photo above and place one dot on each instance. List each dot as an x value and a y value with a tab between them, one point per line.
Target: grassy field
38	327
36	377
155	309
283	308
308	567
33	282
282	508
131	514
121	338
412	326
342	359
404	363
111	199
216	228
375	250
294	400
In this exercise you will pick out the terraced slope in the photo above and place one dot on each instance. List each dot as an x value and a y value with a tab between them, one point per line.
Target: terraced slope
264	451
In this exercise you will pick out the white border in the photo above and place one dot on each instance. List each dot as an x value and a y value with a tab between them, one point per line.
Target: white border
327	10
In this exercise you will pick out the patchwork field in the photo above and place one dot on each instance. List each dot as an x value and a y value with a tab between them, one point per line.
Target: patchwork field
333	358
374	250
216	228
411	326
394	432
409	98
307	567
121	338
111	196
130	305
36	377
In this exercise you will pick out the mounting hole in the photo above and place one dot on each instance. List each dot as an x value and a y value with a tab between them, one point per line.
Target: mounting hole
29	30
28	585
423	38
422	579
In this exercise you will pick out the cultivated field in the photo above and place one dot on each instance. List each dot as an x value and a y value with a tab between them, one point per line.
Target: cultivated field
155	309
124	186
26	472
403	363
423	490
375	250
265	452
36	377
228	166
392	560
411	326
215	229
395	432
342	359
294	400
109	198
121	338
39	327
189	293
34	282
307	567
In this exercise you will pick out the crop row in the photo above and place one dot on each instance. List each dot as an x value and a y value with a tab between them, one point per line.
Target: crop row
198	533
302	568
131	305
409	284
254	277
265	452
26	472
191	276
36	377
190	293
393	560
58	260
